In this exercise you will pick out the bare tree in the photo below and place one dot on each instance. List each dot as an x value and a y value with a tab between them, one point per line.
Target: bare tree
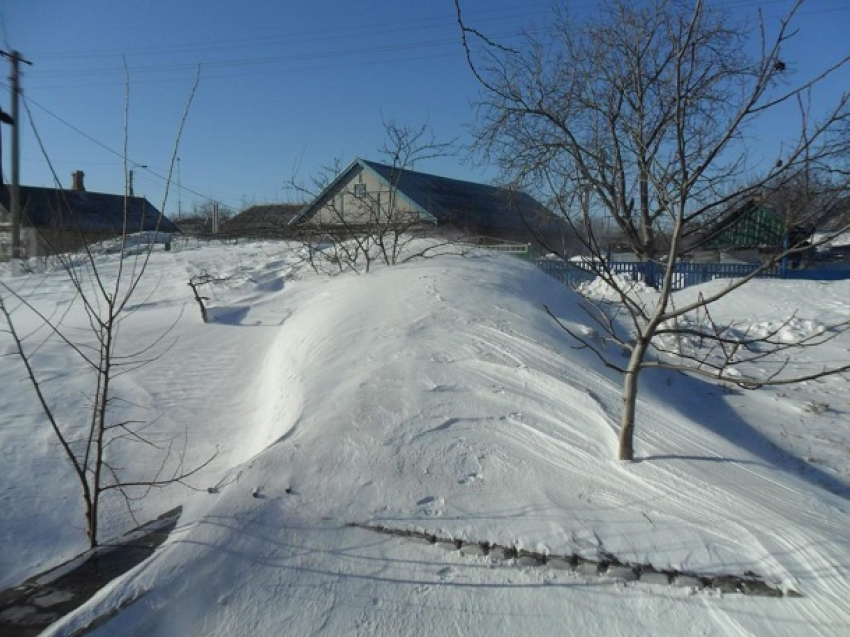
197	282
90	444
360	226
641	116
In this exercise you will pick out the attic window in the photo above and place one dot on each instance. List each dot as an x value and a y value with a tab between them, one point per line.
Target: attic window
359	190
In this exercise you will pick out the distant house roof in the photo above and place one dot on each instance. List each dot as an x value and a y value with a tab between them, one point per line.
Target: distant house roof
444	200
192	225
262	219
838	217
751	225
87	212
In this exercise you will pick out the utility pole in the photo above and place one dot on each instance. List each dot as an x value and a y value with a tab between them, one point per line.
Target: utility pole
179	192
5	118
15	191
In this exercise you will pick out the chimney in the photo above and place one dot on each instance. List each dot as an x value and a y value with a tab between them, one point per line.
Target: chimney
77	180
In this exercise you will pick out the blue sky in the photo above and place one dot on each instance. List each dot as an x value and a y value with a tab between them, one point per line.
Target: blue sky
287	86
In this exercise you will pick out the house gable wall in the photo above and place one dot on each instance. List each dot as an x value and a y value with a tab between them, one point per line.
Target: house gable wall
360	198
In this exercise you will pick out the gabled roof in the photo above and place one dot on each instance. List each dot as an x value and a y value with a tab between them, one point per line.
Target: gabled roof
443	200
751	225
84	211
192	225
262	218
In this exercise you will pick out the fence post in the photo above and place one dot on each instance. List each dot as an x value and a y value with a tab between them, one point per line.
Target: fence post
783	264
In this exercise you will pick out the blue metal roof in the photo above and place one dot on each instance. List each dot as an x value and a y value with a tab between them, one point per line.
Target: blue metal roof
86	211
445	200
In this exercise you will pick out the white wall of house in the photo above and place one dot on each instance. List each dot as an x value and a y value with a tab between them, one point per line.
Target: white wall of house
5	242
29	242
5	235
362	199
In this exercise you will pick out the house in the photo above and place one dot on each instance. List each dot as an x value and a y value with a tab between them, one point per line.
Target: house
262	221
837	218
832	237
744	234
193	226
370	192
55	220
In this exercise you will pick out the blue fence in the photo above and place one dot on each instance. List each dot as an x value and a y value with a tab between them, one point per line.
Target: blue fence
821	272
684	274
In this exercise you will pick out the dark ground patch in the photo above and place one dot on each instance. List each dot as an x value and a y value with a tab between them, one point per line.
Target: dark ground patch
29	608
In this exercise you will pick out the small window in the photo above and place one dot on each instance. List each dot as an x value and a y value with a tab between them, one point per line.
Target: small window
359	190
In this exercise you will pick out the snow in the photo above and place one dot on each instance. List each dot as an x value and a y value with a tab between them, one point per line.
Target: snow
439	397
831	240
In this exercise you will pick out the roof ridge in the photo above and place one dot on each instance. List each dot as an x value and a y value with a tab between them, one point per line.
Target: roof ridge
435	176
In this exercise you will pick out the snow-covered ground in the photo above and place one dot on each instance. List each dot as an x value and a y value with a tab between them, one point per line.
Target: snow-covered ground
437	396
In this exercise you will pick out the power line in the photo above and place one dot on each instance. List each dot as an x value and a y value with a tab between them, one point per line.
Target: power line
524	10
318	35
345	57
116	153
258	72
269	60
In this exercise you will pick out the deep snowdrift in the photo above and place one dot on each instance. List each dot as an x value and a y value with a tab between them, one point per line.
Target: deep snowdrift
438	396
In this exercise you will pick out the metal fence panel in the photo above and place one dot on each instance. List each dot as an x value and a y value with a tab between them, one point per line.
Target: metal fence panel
684	274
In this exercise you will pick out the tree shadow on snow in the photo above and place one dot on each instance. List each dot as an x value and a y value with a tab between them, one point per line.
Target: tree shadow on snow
234	315
238	315
688	396
336	550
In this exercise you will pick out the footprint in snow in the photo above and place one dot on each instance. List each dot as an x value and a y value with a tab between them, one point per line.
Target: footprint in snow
471	478
431	506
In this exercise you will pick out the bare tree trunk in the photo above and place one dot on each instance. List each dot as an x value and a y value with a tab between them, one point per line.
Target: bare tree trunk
629	396
196	281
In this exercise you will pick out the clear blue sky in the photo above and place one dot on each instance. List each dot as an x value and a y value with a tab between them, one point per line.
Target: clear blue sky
286	85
